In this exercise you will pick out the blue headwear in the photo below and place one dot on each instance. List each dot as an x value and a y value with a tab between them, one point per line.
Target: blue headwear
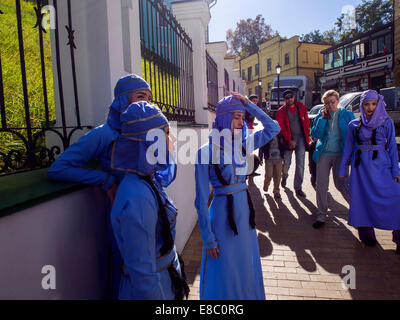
226	107
130	150
122	91
378	118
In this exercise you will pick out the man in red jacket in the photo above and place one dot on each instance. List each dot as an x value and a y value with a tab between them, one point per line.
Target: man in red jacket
295	130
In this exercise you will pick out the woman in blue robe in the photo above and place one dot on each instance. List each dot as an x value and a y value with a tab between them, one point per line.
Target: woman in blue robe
375	172
143	216
96	145
231	265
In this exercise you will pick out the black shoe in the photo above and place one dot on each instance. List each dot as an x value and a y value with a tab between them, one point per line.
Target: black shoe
283	182
277	196
370	242
300	193
318	224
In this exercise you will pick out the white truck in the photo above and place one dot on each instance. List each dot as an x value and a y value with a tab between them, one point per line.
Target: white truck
301	86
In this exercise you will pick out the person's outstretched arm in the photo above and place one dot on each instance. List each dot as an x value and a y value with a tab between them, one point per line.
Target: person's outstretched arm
270	127
69	166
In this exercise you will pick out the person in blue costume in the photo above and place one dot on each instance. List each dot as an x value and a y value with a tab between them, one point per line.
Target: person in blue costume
143	216
96	145
231	265
375	172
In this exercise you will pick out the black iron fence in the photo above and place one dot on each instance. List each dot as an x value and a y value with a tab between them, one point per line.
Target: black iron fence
212	82
27	106
167	60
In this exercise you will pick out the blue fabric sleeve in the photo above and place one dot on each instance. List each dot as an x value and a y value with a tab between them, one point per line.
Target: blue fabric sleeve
270	130
137	223
392	148
318	128
348	151
68	166
202	179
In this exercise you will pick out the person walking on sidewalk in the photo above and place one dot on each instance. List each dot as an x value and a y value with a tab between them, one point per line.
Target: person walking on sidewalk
330	128
295	130
273	153
375	172
231	264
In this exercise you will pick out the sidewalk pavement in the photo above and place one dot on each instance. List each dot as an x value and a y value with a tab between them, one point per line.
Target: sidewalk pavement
302	263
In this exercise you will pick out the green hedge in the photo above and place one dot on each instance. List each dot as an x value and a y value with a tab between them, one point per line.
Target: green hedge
11	71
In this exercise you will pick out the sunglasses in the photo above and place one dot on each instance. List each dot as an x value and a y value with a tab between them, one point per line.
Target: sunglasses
288	97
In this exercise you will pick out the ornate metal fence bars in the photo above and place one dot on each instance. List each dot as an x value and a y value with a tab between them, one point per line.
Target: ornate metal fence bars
212	82
27	106
167	60
27	94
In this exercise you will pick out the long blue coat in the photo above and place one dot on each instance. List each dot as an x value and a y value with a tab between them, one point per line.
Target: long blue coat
374	194
236	274
137	229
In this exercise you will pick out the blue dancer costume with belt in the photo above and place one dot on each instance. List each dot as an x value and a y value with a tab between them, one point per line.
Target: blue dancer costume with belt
143	216
97	145
374	194
229	223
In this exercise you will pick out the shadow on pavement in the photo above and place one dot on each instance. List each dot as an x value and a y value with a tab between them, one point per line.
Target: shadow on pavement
326	253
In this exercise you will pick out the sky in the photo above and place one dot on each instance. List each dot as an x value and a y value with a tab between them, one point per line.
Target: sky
288	17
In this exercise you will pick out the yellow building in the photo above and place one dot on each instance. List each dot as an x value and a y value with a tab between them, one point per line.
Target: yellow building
397	42
295	58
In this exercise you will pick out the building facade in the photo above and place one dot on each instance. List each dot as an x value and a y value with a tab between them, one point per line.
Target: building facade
360	63
295	58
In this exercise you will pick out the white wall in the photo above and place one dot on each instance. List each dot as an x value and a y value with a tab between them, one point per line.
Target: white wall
183	191
194	17
68	233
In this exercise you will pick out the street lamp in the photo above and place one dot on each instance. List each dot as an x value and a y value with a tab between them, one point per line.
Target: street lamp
278	72
259	89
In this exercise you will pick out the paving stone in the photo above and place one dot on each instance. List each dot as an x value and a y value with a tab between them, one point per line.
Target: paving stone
304	263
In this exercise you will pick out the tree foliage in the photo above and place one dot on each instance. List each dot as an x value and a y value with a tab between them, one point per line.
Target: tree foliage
370	14
329	37
248	35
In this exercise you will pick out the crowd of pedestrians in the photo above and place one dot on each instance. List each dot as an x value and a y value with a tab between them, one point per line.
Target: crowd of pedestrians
142	219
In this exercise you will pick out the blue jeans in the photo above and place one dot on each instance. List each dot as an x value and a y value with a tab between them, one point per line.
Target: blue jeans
300	152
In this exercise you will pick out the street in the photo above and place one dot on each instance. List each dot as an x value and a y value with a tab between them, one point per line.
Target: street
302	263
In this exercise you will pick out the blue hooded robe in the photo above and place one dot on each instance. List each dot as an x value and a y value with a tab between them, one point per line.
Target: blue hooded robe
236	274
374	194
145	234
97	144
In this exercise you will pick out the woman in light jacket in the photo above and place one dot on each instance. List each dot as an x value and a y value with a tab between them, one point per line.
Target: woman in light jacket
330	128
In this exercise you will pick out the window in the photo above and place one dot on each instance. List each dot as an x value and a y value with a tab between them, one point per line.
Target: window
257	69
226	80
250	92
287	59
269	86
269	64
234	85
243	74
305	56
249	73
381	44
333	59
388	43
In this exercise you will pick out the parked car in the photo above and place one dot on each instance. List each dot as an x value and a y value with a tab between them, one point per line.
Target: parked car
314	112
350	101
